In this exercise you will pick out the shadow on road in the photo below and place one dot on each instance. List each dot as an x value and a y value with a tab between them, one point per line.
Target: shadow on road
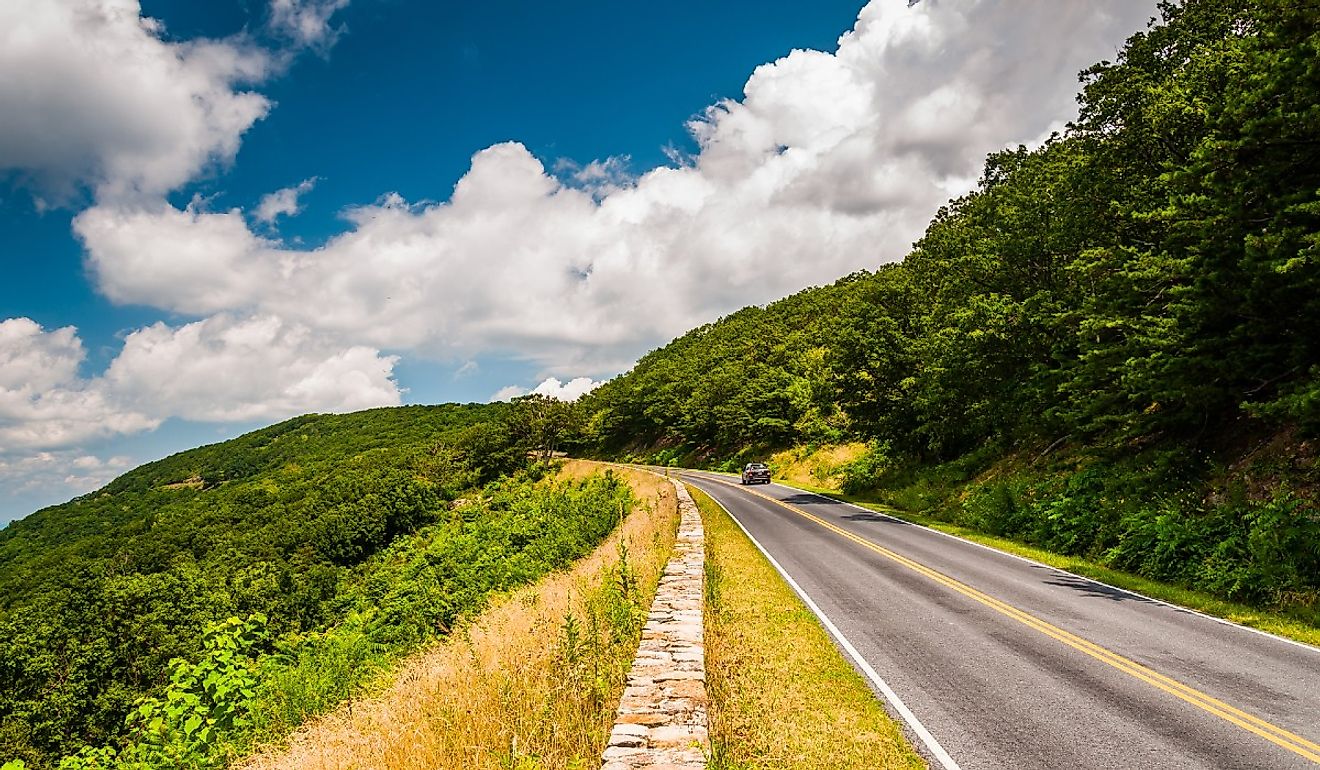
805	499
1090	588
876	518
853	515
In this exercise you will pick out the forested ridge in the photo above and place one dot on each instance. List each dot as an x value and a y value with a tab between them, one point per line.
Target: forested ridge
1110	348
222	595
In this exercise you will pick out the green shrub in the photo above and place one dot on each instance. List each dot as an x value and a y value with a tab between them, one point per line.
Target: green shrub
204	706
994	508
1271	552
864	473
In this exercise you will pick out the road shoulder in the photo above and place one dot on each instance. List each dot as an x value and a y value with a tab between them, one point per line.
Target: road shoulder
782	693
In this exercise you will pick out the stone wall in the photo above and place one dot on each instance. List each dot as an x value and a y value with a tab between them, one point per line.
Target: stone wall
661	721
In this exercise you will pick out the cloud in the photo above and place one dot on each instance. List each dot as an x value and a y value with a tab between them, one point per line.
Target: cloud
226	369
509	392
551	386
178	259
599	178
44	404
830	162
72	472
222	369
36	359
306	22
282	202
91	94
567	391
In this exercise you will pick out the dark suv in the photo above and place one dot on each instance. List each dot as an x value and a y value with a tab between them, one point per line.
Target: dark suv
756	473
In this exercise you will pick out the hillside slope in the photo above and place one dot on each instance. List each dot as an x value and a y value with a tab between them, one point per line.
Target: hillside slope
235	496
333	535
1110	348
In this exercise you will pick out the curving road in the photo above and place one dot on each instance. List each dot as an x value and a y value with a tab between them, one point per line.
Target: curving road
998	662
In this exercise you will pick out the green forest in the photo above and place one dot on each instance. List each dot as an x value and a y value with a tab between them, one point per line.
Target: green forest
222	595
1111	348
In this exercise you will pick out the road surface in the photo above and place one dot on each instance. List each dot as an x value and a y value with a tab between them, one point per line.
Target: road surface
998	662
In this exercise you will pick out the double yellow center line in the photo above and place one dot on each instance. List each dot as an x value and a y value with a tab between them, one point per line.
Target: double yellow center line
1270	732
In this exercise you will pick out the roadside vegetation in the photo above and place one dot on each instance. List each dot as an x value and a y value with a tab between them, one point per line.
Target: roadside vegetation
1299	624
782	696
226	594
1110	350
531	683
822	466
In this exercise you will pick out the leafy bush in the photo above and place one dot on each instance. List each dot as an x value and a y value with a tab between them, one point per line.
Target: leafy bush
204	705
1265	552
865	472
1271	552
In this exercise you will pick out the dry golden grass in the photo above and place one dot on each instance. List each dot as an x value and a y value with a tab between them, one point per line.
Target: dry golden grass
195	482
782	696
509	690
819	468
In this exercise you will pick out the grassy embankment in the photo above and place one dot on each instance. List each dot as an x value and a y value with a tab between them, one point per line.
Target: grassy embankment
820	471
782	695
815	466
532	683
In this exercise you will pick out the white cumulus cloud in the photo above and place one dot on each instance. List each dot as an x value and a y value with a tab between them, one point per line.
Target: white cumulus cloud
90	93
282	202
178	259
222	369
225	369
36	359
830	162
44	404
551	386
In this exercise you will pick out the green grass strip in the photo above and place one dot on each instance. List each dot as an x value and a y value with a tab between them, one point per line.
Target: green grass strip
782	695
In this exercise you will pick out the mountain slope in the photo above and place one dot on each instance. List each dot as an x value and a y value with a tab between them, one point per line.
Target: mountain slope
324	523
233	496
1111	348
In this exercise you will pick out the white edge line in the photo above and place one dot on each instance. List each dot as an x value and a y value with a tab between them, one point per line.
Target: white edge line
1130	592
888	692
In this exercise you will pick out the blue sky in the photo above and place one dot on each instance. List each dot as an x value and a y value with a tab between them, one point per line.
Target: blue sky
627	171
404	98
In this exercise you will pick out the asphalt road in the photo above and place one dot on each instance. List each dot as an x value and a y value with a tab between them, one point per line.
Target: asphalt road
997	662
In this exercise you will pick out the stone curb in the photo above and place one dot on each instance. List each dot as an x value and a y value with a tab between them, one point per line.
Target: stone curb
661	722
